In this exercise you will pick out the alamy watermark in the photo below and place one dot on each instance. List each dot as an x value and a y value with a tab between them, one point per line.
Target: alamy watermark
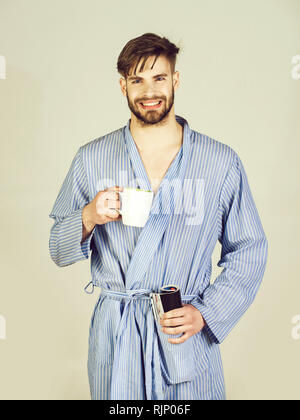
174	196
295	72
2	67
295	333
2	328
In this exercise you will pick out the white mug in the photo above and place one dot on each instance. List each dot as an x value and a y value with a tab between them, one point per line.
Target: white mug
135	206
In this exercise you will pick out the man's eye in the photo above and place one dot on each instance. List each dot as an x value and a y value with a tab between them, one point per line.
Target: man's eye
158	78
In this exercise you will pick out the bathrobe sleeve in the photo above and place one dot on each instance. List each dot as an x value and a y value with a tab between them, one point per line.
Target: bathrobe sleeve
66	233
243	256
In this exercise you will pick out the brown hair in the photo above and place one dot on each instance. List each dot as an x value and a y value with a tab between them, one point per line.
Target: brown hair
145	46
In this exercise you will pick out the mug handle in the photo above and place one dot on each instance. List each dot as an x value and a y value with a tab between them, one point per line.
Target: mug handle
120	196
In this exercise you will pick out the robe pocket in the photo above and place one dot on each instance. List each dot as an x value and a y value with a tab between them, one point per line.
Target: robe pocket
177	360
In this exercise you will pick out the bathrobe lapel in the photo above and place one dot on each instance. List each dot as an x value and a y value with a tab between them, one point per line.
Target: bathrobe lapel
152	233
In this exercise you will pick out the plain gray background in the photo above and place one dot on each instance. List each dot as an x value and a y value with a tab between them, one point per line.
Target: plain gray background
61	91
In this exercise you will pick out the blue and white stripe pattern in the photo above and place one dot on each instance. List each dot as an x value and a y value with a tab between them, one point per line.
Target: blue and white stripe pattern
129	357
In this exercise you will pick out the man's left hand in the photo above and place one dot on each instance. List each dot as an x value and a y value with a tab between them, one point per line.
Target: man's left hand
187	320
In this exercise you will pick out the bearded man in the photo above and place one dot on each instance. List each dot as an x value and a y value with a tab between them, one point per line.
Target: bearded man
132	355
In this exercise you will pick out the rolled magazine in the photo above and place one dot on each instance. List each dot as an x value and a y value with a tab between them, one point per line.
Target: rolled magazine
167	299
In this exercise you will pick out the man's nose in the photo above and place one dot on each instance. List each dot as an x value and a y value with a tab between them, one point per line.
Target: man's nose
150	90
150	94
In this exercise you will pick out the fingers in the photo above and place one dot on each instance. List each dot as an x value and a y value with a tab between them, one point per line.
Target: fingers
115	188
175	330
175	313
188	324
111	207
174	325
108	195
181	327
108	203
173	322
112	204
180	339
111	214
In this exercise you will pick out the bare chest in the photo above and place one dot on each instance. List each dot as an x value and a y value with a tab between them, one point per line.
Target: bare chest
157	165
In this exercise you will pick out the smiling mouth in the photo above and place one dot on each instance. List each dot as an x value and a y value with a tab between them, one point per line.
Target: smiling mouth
151	105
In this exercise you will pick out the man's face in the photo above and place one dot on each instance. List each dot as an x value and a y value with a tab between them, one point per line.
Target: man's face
150	94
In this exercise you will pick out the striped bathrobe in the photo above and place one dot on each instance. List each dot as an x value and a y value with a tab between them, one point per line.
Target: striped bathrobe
204	197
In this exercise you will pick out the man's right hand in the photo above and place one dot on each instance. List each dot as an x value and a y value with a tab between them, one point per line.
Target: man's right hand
101	210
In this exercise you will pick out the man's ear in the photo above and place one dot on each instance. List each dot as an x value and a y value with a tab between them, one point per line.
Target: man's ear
122	82
176	80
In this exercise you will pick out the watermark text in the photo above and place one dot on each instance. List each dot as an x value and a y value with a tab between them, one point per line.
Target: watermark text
173	196
295	72
295	333
2	67
2	328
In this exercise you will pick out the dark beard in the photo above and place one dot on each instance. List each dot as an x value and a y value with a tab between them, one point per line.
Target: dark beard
152	117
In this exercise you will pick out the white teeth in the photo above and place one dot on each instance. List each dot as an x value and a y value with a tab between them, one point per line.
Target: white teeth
151	103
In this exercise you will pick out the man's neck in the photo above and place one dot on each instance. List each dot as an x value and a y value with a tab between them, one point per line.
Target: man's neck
158	137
